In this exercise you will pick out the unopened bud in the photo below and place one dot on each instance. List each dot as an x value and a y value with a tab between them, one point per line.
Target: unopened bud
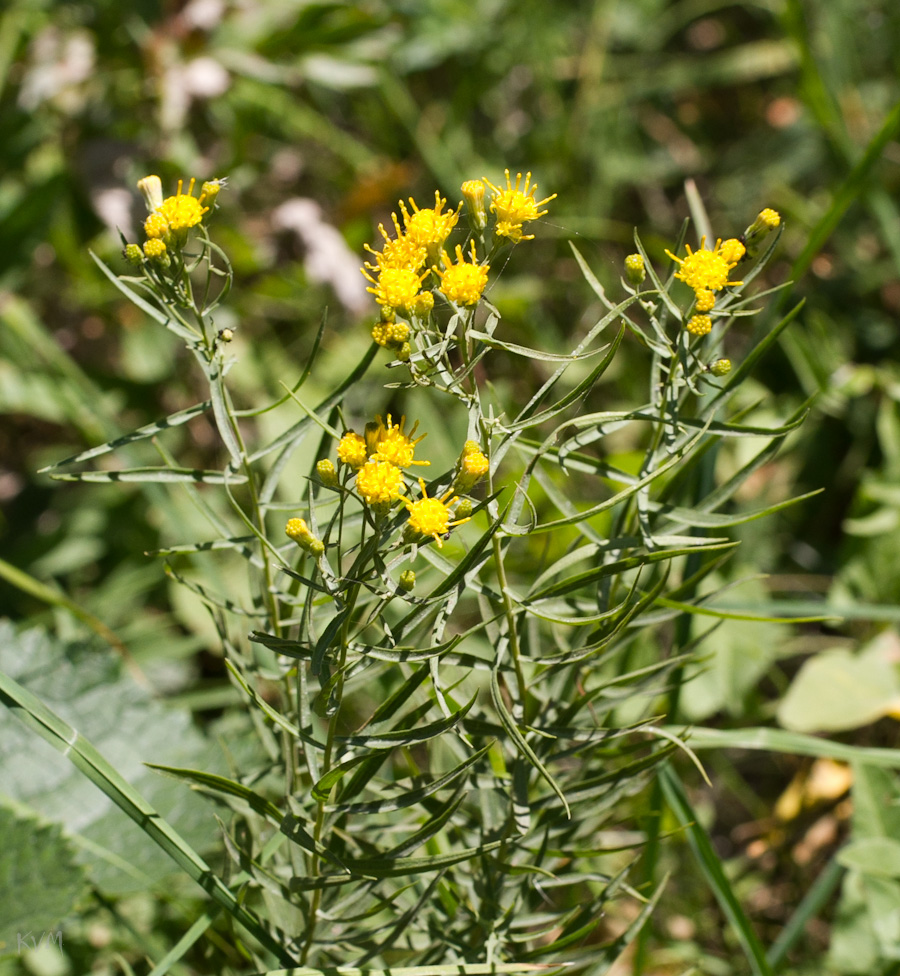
721	367
404	352
209	191
327	474
422	304
464	508
155	250
151	188
381	333
407	580
156	226
472	466
766	221
473	194
133	254
732	250
225	335
298	530
634	269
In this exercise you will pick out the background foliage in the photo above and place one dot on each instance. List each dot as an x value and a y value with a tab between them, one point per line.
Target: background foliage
322	115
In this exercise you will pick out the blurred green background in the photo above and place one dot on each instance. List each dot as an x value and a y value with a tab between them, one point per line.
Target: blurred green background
321	115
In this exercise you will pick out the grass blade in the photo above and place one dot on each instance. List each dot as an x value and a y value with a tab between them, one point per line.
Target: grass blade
712	867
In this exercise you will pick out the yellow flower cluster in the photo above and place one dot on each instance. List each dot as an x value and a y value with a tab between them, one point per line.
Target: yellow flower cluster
378	458
709	271
170	218
398	274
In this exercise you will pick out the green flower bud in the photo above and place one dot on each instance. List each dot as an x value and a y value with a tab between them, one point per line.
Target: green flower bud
407	580
721	367
634	269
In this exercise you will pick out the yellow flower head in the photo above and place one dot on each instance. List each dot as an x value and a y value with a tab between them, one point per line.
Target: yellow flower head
154	249
463	283
699	325
388	442
706	270
396	287
429	228
183	210
379	483
515	207
431	516
352	450
399	252
770	218
210	190
732	250
706	300
156	226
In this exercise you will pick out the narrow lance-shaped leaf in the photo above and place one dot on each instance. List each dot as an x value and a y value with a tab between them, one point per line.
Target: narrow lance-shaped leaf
142	433
520	742
154	475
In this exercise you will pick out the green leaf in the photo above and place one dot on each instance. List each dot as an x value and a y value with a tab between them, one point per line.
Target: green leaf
163	476
838	690
39	879
407	737
380	867
520	742
791	743
142	433
878	856
214	783
457	969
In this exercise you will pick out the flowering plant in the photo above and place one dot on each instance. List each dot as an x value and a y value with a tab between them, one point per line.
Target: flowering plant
453	665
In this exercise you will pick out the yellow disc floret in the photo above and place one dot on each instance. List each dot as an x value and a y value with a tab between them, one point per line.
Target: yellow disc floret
514	207
463	283
379	483
431	516
707	270
399	252
352	450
